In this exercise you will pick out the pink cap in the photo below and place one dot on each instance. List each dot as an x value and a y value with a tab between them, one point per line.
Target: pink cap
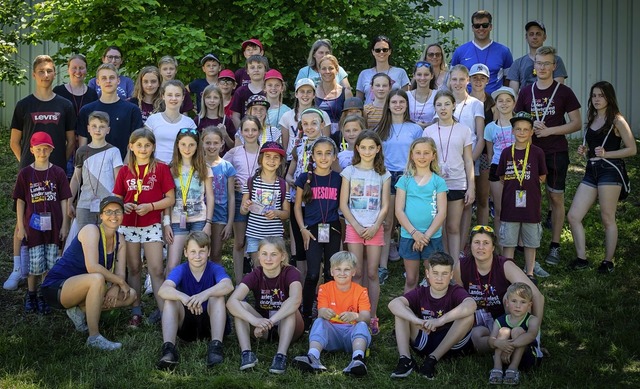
273	73
252	41
226	73
41	138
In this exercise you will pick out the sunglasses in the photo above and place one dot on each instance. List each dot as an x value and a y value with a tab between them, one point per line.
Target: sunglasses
434	55
383	50
188	131
423	63
483	25
482	228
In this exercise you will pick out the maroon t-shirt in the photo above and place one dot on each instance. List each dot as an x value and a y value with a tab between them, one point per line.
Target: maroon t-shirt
428	307
42	191
487	290
532	196
240	98
270	293
563	102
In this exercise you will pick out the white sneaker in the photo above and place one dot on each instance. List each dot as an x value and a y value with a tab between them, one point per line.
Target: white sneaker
102	343
14	280
539	271
78	318
148	289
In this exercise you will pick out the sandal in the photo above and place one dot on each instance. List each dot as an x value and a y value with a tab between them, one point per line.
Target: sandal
495	376
511	377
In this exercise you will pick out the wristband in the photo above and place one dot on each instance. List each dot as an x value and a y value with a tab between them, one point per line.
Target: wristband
209	222
153	208
413	232
166	221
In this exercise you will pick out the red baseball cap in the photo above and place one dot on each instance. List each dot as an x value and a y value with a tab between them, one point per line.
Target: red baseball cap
273	73
226	73
252	41
273	147
41	138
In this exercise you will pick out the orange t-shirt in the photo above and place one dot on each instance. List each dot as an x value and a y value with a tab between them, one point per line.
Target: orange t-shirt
356	299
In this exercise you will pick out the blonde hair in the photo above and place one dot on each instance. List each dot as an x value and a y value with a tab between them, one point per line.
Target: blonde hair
279	244
141	133
411	165
521	290
343	257
138	91
205	93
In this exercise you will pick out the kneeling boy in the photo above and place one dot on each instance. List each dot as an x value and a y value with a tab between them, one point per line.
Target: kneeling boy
194	305
435	320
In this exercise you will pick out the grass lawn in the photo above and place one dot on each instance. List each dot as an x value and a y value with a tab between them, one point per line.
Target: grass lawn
590	327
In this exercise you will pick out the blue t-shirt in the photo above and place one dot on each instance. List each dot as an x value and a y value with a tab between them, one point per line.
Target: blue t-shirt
221	174
501	137
197	87
396	147
124	90
421	205
496	56
187	283
326	197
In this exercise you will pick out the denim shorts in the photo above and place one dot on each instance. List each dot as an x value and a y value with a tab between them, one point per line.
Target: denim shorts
238	217
252	244
601	173
191	226
220	214
395	176
405	249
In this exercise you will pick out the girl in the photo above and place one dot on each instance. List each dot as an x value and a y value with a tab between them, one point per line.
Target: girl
606	131
257	106
381	50
319	49
275	87
166	123
331	95
364	201
499	136
212	114
319	189
470	112
147	187
277	294
146	92
421	97
397	131
193	208
421	232
435	56
223	183
264	198
381	86
244	159
227	84
351	126
455	159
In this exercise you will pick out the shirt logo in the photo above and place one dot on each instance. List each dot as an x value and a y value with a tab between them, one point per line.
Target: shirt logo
45	117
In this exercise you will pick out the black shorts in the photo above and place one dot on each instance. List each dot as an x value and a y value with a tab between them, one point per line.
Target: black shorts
493	173
195	327
51	294
529	357
557	166
425	344
395	176
455	194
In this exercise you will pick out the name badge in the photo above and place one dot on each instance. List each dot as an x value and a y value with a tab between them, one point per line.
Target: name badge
183	220
94	205
40	221
324	230
521	198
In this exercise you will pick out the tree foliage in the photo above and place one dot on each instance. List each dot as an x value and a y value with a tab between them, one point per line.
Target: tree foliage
188	29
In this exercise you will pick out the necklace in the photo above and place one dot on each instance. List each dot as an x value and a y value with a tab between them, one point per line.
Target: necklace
418	116
170	119
445	154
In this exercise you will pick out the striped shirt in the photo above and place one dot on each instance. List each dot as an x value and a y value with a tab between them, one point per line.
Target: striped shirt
258	226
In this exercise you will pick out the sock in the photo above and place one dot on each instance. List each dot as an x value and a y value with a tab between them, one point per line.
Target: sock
16	263
24	261
357	353
136	311
93	337
315	352
553	245
33	295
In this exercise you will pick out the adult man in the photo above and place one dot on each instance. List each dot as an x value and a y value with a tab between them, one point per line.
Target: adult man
522	72
482	49
548	101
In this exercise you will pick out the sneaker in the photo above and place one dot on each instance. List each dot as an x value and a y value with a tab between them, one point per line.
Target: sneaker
394	255
533	279
383	275
356	367
428	369
148	289
374	326
404	368
30	303
78	318
539	271
135	321
309	363
14	280
102	343
606	267
279	364
155	317
547	221
215	354
248	360
553	258
578	264
169	358
43	307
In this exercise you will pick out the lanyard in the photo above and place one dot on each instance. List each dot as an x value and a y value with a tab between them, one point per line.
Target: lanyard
445	155
139	182
535	104
104	249
520	177
184	189
343	144
485	299
323	215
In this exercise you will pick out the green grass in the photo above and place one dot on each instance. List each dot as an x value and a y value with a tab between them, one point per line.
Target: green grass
590	328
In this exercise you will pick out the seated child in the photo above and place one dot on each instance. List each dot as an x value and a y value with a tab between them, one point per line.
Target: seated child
277	291
514	336
194	306
343	319
434	320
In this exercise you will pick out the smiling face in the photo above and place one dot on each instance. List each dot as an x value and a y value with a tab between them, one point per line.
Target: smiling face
212	144
481	33
150	84
381	52
324	155
226	86
187	146
523	131
271	259
77	70
342	273
505	103
311	125
41	153
422	155
479	82
111	215
259	111
196	256
381	87
44	74
397	105
173	96
212	101
114	57
250	131
423	76
98	129
305	95
271	161
434	56
458	81
350	132
328	70
368	150
142	149
273	87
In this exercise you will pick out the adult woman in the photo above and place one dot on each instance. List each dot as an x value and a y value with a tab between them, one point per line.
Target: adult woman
421	107
435	56
486	277
606	131
319	49
89	277
330	95
76	91
113	55
381	50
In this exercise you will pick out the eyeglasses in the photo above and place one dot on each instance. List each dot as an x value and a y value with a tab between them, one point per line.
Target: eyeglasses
434	55
225	81
188	131
544	64
423	63
483	25
482	228
111	212
383	50
113	57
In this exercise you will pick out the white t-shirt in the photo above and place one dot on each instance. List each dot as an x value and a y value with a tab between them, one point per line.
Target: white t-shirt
422	112
466	112
365	193
166	133
451	141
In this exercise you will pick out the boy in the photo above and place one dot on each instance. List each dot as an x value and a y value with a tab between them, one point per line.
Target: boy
434	320
194	306
514	336
249	47
343	317
168	67
124	116
257	66
211	68
41	193
521	194
96	168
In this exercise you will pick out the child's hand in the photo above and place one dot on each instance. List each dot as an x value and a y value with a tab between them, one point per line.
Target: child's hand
227	231
369	232
417	247
143	209
327	313
582	150
504	345
431	325
21	233
194	304
129	207
271	214
306	237
262	326
168	234
207	229
71	210
245	206
64	231
349	317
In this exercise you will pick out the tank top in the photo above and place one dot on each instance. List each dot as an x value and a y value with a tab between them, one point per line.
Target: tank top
596	138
